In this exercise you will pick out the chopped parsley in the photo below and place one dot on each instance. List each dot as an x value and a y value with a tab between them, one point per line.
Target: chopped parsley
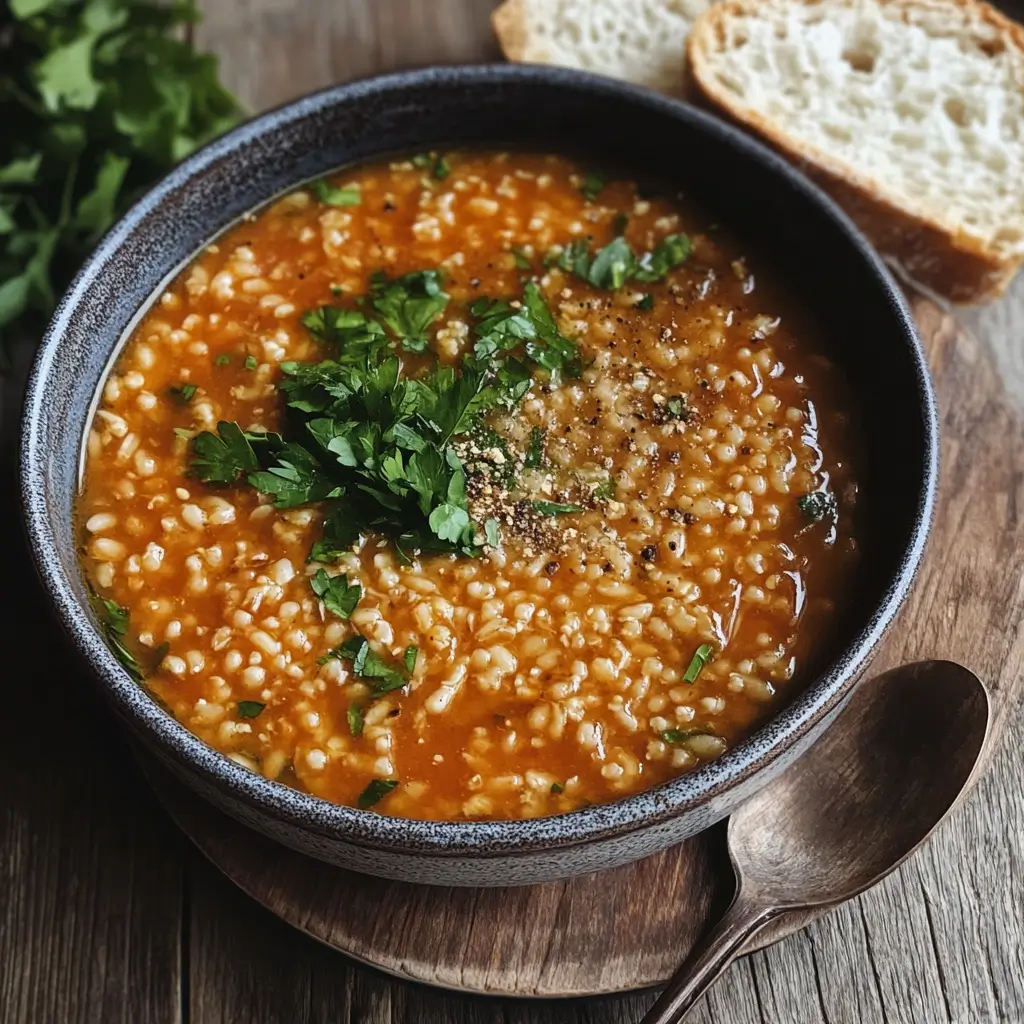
332	195
375	792
115	620
557	787
675	736
250	363
614	264
700	658
250	708
535	449
381	675
222	360
434	163
354	715
593	183
408	305
338	596
522	261
183	393
554	508
221	458
818	505
645	303
605	490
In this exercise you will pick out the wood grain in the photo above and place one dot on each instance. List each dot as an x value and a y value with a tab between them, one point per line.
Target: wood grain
105	916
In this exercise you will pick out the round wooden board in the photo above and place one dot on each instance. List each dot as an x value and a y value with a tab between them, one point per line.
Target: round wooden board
630	927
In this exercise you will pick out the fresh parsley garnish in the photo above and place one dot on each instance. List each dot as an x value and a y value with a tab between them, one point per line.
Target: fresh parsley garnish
347	330
222	360
221	458
605	490
614	264
593	183
556	788
295	478
250	708
492	533
817	505
522	261
675	407
332	195
645	302
553	508
354	716
381	675
535	449
409	656
115	620
408	305
183	393
675	736
338	595
375	792
250	363
435	163
700	658
98	99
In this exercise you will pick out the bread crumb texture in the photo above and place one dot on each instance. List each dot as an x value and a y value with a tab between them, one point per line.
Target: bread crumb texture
642	41
919	103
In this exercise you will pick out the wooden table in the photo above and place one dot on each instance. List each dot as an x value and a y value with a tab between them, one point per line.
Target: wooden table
107	916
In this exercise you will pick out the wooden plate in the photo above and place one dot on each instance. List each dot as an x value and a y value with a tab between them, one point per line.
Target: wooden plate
629	928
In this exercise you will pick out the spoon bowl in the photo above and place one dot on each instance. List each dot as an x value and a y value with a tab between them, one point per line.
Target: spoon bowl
869	792
846	814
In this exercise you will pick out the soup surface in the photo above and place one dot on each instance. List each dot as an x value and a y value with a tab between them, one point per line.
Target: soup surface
470	486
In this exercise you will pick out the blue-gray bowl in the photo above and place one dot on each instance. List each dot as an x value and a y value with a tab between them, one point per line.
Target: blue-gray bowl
870	334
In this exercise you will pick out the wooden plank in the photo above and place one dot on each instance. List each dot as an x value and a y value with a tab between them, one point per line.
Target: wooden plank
90	887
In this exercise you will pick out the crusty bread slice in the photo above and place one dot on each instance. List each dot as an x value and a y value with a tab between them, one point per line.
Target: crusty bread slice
910	112
643	41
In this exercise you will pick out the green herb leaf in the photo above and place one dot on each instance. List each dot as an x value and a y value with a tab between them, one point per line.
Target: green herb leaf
222	360
535	449
375	792
222	457
605	490
332	195
553	508
646	302
522	261
355	336
612	265
492	532
250	363
700	658
183	393
435	163
409	656
408	305
593	183
818	505
381	675
295	478
354	715
557	788
676	736
250	708
669	253
337	595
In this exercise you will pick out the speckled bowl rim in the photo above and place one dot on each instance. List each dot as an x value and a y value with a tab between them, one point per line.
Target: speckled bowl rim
488	838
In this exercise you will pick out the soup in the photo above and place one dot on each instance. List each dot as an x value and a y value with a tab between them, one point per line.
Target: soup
471	486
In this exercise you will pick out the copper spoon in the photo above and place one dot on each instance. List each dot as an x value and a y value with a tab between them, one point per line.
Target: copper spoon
847	813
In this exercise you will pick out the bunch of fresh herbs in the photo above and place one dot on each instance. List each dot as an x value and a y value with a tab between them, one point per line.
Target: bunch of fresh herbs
98	98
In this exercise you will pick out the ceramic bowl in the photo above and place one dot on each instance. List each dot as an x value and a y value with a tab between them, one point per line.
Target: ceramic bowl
869	333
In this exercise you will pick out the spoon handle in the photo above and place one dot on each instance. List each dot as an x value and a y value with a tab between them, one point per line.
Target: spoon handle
709	959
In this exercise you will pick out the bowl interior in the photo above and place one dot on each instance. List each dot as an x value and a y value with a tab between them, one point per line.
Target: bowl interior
866	328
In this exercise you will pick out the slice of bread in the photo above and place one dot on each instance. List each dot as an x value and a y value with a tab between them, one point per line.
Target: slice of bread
910	112
643	41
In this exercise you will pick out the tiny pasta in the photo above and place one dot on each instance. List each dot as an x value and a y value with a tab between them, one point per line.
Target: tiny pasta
471	486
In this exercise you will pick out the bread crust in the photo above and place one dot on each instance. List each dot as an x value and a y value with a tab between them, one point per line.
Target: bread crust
509	24
955	265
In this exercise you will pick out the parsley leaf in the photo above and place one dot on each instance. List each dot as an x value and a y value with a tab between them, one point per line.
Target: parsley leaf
700	658
553	508
349	330
250	708
354	716
183	393
408	305
646	302
675	736
557	788
381	675
115	621
614	264
817	505
492	532
98	99
250	363
332	195
435	163
222	457
670	252
337	595
593	183
222	360
535	449
522	261
375	792
296	478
